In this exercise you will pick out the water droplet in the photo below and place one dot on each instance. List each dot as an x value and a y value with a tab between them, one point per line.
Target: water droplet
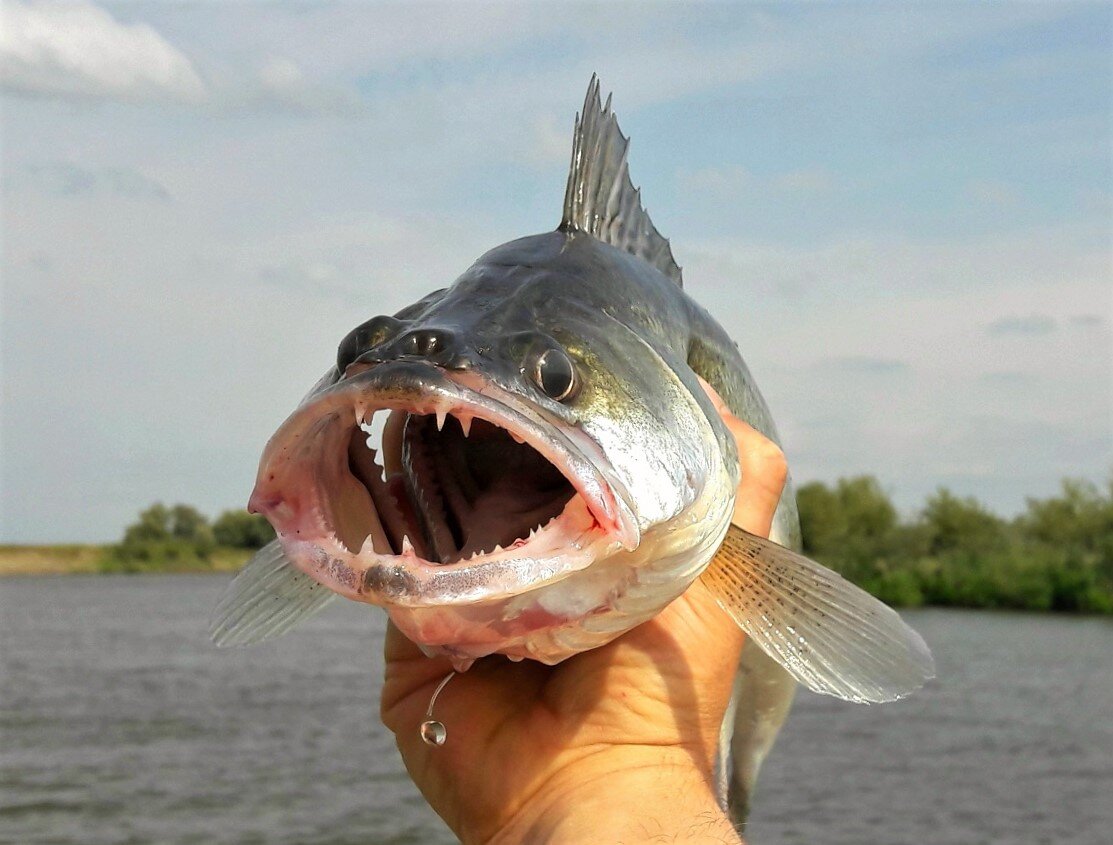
433	732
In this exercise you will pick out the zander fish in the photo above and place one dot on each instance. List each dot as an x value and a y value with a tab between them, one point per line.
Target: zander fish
525	463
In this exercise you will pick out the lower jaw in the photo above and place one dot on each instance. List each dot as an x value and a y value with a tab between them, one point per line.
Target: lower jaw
572	542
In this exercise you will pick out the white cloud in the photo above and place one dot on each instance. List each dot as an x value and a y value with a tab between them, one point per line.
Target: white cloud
732	181
400	258
869	366
1030	325
281	84
1086	321
911	386
717	181
79	50
884	266
812	181
993	192
67	179
550	140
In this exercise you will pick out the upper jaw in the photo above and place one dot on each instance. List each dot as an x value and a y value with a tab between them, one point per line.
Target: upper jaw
290	493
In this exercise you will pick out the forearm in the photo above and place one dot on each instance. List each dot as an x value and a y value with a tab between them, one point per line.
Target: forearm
647	796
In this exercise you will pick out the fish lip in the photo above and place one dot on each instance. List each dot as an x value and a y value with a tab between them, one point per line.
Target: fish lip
408	579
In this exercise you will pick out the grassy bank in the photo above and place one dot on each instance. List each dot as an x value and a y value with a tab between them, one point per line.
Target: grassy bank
93	559
49	560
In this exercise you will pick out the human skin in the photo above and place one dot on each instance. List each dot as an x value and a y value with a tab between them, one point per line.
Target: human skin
614	745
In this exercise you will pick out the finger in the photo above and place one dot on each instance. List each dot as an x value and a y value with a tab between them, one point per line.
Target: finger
763	470
716	399
763	475
410	678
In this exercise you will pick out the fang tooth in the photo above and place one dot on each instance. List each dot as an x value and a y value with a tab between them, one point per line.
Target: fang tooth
465	424
407	546
440	418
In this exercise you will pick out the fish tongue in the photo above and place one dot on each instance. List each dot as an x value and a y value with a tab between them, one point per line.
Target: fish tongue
419	465
499	520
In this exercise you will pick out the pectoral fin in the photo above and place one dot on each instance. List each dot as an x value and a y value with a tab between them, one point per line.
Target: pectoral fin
267	598
831	636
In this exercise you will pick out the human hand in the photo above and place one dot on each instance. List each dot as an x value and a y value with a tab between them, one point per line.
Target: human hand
613	745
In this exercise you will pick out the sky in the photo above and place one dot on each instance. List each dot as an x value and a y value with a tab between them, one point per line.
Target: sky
903	213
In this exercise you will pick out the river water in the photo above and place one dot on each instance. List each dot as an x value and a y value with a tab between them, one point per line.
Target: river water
120	723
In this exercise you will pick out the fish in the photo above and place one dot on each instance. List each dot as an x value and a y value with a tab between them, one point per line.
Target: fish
525	463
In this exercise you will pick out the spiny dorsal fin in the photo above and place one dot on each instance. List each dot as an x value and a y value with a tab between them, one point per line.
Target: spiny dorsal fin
600	198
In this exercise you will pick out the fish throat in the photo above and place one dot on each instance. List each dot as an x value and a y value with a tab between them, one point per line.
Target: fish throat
452	488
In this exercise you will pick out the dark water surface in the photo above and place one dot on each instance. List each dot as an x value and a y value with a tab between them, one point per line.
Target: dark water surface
119	723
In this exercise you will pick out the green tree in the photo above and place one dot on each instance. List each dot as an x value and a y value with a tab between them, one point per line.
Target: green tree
855	516
954	524
1081	518
869	513
823	523
162	538
242	530
153	525
188	523
853	529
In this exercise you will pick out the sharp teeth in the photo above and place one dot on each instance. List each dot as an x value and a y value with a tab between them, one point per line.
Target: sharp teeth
496	549
440	418
465	424
515	436
407	546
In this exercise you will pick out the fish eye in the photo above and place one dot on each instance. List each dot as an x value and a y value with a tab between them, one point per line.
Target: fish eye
555	374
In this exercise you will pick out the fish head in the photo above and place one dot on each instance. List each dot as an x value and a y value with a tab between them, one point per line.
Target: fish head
538	463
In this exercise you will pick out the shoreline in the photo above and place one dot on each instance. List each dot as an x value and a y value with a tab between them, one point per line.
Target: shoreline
30	561
89	559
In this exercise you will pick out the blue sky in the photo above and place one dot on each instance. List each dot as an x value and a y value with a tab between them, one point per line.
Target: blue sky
902	212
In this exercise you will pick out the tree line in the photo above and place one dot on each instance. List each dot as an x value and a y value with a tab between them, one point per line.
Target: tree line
181	537
1056	555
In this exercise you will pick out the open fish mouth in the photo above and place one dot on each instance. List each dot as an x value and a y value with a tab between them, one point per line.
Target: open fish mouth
409	484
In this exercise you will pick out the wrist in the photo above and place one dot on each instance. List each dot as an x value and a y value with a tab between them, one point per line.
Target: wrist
623	796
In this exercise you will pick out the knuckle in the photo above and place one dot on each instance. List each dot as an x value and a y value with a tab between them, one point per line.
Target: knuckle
770	456
769	461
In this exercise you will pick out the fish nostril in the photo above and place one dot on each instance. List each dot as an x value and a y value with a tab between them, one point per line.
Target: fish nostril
425	343
459	361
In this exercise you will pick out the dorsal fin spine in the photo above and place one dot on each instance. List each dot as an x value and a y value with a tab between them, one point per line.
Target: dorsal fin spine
600	199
